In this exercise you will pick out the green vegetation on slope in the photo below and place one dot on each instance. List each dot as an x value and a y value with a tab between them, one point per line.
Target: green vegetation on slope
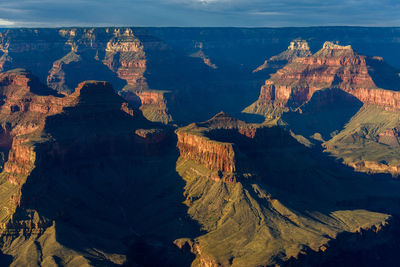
359	139
287	207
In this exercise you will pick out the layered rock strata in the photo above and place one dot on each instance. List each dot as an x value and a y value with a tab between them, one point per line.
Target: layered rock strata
66	57
223	145
333	66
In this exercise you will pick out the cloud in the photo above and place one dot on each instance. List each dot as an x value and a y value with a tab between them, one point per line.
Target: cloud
273	13
266	13
4	22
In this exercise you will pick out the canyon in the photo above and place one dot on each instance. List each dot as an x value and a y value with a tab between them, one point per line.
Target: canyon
132	146
234	173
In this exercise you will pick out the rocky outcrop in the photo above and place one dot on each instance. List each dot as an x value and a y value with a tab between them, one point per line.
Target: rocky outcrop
375	167
297	48
200	54
125	56
214	155
21	161
230	206
154	105
334	66
66	57
218	145
390	137
57	75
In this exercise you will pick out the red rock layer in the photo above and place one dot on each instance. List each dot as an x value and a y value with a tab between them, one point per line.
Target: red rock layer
199	142
334	66
151	97
213	155
125	55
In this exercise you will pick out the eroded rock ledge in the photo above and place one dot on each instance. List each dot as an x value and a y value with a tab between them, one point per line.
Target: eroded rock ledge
221	144
334	66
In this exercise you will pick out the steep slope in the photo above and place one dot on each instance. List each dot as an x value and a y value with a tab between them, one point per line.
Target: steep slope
256	210
79	187
369	142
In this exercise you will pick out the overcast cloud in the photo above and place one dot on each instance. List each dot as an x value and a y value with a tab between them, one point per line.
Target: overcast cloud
248	13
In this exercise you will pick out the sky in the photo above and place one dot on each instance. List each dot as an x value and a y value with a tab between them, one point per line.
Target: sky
198	13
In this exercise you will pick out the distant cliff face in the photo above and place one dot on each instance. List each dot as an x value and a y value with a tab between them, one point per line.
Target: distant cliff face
297	48
333	66
66	57
202	67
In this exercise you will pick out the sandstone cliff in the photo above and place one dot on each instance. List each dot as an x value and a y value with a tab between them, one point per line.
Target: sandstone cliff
223	145
333	66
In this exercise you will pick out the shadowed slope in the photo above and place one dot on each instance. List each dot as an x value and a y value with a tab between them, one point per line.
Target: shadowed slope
278	199
91	190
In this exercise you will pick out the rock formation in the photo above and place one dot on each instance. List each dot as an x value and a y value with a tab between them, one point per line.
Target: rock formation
333	66
297	48
76	55
200	54
390	137
201	143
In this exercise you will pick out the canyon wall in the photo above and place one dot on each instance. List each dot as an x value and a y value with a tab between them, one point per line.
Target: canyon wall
214	155
32	134
333	66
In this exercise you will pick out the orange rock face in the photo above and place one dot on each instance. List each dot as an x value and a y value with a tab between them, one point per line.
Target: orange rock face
151	97
216	144
213	155
125	56
21	160
334	66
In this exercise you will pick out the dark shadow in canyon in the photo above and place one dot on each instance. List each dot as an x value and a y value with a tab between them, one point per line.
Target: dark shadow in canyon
325	113
383	75
359	249
199	88
5	260
278	160
98	181
88	68
305	180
